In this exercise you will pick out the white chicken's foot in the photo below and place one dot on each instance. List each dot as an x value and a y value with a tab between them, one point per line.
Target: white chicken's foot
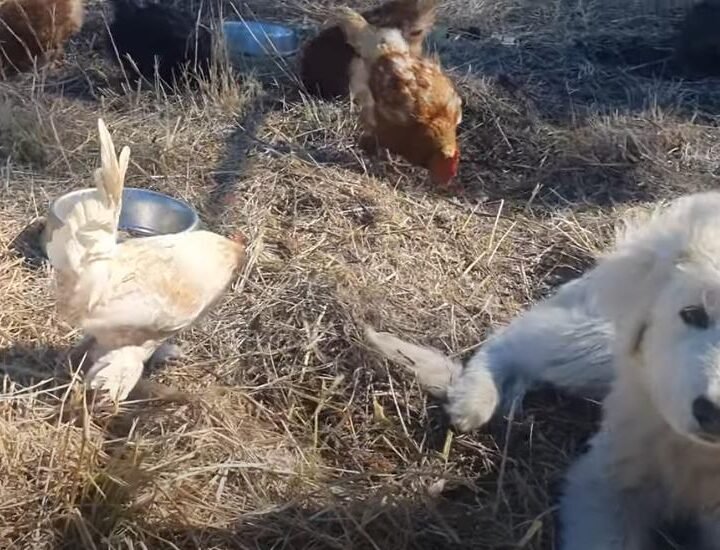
117	372
165	352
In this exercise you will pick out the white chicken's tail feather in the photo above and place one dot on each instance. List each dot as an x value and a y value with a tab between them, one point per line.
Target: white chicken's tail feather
368	41
434	370
110	177
90	230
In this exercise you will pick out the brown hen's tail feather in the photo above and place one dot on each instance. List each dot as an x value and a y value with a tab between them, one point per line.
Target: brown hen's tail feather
353	25
368	41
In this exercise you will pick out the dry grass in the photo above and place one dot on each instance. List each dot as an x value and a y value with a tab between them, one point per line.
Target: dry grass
300	437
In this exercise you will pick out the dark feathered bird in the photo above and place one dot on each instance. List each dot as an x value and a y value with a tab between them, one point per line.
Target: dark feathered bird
325	59
152	38
698	40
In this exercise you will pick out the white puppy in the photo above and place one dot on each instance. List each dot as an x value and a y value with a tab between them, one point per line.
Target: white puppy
563	340
646	320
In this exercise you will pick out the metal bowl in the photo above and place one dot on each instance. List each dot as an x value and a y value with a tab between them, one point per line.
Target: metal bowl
259	39
144	213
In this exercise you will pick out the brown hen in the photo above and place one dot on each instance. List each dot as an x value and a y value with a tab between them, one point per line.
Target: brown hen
325	60
408	105
35	31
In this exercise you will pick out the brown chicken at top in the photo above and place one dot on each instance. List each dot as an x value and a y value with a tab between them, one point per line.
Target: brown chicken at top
325	59
407	104
35	31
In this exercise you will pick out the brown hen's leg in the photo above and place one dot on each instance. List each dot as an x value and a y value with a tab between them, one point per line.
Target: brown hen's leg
56	63
454	187
55	58
450	187
369	144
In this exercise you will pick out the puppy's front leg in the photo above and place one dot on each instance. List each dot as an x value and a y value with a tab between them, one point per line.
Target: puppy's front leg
474	396
595	514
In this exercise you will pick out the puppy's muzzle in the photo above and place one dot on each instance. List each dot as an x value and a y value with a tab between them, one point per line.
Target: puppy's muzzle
707	414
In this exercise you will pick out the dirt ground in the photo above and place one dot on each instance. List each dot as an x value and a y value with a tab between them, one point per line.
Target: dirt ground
298	436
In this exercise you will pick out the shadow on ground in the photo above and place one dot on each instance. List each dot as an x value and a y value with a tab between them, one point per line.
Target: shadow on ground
453	513
26	364
628	66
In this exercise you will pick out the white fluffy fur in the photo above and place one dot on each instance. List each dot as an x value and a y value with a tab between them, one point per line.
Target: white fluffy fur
621	324
564	341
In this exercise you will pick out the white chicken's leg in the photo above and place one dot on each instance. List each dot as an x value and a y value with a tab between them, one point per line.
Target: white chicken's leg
118	371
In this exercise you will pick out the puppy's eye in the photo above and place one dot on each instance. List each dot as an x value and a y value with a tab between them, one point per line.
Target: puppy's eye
695	316
416	32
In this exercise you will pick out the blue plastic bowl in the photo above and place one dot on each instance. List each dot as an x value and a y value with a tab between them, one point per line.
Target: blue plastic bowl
259	39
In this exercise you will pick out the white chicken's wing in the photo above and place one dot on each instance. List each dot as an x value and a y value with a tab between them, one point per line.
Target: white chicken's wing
163	284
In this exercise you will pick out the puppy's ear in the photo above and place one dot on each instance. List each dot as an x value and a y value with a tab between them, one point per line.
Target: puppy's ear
627	283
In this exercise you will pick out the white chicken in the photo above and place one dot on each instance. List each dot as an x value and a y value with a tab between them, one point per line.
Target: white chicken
131	296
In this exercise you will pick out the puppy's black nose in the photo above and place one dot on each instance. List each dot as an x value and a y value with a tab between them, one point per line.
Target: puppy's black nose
707	415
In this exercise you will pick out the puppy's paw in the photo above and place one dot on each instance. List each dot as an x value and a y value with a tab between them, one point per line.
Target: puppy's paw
369	144
467	415
472	401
